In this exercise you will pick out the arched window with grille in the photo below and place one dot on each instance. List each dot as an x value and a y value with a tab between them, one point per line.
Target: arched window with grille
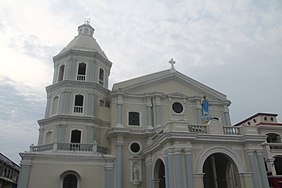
133	118
81	72
61	73
78	104
70	179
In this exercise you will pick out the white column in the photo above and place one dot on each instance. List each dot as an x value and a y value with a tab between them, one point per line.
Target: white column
263	175
119	111
189	168
227	116
178	169
149	173
167	174
109	178
24	172
170	169
158	111
119	164
199	112
149	113
254	169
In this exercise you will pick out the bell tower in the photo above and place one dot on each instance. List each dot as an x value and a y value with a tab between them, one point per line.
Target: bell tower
77	100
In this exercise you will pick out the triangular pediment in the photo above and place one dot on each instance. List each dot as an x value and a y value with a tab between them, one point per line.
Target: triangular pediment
172	83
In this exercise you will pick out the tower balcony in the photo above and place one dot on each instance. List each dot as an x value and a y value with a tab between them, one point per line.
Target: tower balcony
68	147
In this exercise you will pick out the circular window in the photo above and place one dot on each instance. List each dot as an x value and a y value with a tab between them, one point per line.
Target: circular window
135	147
177	107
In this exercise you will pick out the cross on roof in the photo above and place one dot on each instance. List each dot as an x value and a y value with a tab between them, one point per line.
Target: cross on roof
87	21
172	62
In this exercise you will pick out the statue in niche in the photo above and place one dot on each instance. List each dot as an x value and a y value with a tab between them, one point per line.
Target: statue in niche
135	171
205	109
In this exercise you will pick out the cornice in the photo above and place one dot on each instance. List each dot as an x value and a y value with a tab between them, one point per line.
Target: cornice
73	118
90	54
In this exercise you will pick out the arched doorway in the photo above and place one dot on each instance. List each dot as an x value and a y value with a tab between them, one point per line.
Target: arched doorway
159	174
278	165
220	171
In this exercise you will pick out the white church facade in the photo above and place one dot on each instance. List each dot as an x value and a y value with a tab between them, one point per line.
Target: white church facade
162	130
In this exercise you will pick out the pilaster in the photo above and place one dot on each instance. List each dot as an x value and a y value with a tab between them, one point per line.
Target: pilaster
119	111
158	111
149	172
119	162
149	112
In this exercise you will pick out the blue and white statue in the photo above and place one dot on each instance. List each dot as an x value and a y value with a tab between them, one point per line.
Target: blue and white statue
205	109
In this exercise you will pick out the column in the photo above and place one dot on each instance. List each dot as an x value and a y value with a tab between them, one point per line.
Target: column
119	111
149	173
158	111
24	172
189	168
263	175
170	169
178	169
254	169
167	172
199	112
90	102
109	174
40	137
149	113
48	104
56	70
119	164
227	116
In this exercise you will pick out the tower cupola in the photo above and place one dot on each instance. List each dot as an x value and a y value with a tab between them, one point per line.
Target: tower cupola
86	29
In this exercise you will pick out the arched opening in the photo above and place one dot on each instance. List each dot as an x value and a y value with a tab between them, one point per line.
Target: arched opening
78	104
75	140
70	179
75	136
220	172
81	71
61	73
278	165
159	174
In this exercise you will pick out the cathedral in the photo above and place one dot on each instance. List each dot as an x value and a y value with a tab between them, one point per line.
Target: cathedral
162	130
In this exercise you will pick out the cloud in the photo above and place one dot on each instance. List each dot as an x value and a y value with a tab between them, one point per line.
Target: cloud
20	108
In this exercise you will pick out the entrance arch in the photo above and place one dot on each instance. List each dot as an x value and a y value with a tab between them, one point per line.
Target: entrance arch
220	172
159	174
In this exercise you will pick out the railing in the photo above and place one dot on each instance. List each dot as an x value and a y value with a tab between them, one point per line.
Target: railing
231	130
78	109
68	147
80	77
197	128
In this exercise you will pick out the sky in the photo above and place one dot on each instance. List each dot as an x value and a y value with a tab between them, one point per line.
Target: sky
233	46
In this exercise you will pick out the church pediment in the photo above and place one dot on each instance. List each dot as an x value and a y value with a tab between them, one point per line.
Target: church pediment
172	84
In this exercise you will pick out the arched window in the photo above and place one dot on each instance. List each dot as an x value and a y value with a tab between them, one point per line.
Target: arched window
81	72
75	140
75	136
70	179
55	105
101	76
78	104
48	137
278	165
134	118
61	73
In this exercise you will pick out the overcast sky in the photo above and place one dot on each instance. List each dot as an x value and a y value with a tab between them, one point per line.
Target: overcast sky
233	46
